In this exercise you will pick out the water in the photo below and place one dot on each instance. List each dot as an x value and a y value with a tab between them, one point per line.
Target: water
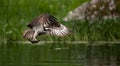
60	55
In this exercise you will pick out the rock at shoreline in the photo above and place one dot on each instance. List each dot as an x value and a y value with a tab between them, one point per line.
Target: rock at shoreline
95	9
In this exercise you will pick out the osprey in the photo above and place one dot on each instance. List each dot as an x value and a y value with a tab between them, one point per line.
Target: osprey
44	24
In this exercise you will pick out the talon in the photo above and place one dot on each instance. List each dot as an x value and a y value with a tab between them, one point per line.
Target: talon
35	41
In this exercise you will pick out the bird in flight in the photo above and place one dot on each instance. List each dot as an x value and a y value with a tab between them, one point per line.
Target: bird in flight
44	24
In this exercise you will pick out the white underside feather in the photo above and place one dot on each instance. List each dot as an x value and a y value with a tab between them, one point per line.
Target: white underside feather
58	31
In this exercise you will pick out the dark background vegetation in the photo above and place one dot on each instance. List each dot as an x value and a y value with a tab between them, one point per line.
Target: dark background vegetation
16	14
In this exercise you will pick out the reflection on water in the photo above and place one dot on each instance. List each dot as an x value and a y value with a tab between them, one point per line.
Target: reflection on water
99	55
60	54
102	55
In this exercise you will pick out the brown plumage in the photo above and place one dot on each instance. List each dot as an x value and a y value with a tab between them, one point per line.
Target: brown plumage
44	24
45	19
28	34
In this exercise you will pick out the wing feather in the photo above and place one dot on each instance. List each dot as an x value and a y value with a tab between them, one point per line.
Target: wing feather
45	19
59	31
28	34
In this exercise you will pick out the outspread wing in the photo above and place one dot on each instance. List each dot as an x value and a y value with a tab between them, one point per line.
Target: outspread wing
46	20
28	34
58	31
